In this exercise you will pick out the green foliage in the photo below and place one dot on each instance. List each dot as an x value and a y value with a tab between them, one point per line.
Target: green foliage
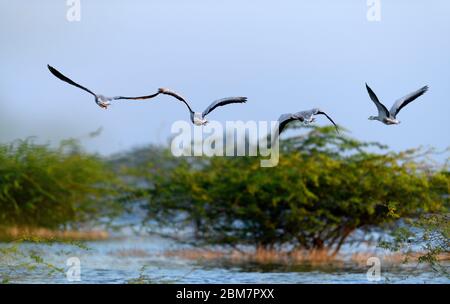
45	187
428	237
18	258
324	188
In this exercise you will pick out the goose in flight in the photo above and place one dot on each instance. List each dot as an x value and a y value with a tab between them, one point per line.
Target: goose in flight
100	100
390	117
304	116
198	118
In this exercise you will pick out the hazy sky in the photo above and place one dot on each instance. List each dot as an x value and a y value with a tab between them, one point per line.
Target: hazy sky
285	56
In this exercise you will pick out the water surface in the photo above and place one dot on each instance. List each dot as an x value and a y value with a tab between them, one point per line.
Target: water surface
142	259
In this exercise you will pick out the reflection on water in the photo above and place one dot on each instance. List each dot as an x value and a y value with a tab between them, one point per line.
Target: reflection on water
141	259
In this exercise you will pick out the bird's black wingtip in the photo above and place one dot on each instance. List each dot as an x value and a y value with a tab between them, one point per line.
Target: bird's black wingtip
50	68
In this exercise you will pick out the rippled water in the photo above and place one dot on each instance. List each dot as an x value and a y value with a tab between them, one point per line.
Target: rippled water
122	260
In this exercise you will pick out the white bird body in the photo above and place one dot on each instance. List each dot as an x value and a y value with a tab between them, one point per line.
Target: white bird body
307	116
390	117
103	101
198	120
385	120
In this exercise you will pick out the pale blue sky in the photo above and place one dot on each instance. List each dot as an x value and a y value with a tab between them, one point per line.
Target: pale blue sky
285	56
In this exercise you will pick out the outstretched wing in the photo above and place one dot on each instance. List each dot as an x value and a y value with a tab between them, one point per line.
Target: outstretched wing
329	118
382	110
402	102
137	98
285	119
176	95
223	102
56	73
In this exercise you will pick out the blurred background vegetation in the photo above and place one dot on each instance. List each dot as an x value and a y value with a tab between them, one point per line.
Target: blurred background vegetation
60	187
325	188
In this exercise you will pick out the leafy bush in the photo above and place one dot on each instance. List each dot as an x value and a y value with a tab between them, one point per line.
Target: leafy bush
46	187
324	188
429	234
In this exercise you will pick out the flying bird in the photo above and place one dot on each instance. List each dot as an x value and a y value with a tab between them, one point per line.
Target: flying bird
198	118
390	117
304	116
100	100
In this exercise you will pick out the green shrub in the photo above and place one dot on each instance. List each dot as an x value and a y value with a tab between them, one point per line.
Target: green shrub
49	187
324	188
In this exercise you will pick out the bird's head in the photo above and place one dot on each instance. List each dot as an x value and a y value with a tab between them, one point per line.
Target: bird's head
102	101
373	118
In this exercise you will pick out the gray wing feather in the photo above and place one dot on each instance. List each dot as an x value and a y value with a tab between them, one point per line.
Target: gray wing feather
287	118
307	114
137	98
329	118
382	110
177	96
223	102
402	102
